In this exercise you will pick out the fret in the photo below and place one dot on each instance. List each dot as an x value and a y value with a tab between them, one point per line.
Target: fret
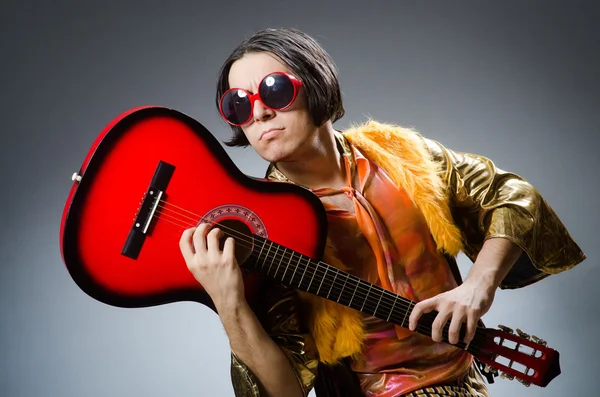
261	250
267	254
303	273
311	279
282	258
332	284
351	299
323	279
392	309
296	268
366	297
344	286
274	257
288	266
406	314
378	302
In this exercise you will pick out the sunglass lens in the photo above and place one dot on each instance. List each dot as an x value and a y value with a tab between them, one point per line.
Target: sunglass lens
276	91
236	106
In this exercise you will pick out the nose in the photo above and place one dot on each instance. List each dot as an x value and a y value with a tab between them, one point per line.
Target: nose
261	112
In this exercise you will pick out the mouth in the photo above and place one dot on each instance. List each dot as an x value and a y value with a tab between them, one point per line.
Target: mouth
270	133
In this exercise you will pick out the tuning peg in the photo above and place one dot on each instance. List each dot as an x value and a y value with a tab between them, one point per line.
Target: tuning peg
491	370
539	340
504	375
524	382
522	334
505	328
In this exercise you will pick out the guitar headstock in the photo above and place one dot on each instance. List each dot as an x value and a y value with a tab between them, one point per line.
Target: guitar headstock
521	356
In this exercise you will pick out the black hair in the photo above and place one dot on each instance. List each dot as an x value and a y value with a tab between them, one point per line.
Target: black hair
308	61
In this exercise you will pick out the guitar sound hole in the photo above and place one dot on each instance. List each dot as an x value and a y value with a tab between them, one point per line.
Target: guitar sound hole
242	235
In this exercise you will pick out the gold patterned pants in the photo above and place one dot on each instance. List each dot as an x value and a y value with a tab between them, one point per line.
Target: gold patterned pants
472	385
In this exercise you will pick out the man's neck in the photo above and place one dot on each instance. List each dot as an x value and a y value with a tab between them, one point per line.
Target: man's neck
321	166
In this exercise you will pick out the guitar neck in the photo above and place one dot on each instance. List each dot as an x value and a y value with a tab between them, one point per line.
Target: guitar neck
319	278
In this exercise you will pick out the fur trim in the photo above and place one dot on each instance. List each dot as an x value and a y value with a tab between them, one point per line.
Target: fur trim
401	152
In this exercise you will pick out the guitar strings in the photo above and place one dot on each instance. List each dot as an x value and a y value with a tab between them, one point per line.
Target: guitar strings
357	283
283	256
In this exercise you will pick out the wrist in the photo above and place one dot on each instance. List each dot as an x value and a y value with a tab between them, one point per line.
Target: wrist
230	305
487	281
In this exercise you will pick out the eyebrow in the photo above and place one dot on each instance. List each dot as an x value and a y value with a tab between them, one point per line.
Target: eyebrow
247	89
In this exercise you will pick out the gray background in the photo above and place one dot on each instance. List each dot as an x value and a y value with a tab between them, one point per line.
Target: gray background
515	81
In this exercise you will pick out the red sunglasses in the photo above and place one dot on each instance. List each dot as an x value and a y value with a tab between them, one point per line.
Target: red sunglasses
276	91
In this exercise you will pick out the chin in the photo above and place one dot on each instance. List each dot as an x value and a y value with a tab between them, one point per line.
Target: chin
275	154
275	158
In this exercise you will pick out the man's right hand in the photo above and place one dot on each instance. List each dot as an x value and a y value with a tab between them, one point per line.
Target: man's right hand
220	275
217	271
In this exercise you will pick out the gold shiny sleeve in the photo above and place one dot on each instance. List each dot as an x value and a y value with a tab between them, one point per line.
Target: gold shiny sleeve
281	318
488	202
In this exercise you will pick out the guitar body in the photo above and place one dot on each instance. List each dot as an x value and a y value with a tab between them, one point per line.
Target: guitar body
118	264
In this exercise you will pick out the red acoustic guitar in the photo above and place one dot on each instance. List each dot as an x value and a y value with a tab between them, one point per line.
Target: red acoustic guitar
154	172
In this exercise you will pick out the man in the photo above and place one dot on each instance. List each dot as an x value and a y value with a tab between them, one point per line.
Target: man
400	207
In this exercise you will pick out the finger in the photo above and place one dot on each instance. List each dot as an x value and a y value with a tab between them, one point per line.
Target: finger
438	324
229	248
212	241
471	328
458	318
200	238
420	308
185	244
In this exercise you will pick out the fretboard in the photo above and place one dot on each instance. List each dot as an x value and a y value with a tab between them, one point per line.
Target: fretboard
304	273
319	278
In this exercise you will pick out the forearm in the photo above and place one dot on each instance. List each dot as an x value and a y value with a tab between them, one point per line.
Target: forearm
494	261
251	343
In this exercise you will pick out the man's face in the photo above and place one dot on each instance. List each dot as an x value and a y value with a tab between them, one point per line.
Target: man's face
290	129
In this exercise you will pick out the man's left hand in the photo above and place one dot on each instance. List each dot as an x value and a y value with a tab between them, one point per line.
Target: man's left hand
466	303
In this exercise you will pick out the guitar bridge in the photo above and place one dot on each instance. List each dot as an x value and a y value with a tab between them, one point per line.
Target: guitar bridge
141	224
